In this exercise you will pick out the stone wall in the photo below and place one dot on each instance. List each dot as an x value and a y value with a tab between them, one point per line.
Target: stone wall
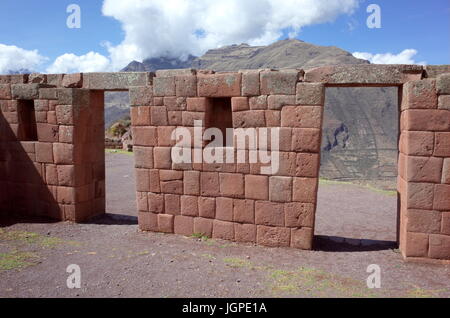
424	169
61	174
57	170
232	201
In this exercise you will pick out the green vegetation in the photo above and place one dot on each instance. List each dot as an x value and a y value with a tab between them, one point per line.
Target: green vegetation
119	151
418	292
200	236
237	262
33	238
323	181
119	128
16	260
316	283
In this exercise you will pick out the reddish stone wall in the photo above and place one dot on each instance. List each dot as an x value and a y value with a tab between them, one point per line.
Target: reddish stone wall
424	169
61	175
232	201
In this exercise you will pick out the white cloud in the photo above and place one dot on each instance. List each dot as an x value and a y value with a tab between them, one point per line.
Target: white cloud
71	63
177	28
13	58
180	27
404	57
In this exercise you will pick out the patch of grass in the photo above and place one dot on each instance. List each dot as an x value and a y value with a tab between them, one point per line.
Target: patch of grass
237	262
200	236
418	292
16	260
22	236
323	181
119	151
33	238
315	283
208	256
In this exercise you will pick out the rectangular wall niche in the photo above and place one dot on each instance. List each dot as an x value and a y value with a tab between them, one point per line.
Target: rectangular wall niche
219	115
27	130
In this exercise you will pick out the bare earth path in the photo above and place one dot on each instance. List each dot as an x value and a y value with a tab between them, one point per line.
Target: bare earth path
117	260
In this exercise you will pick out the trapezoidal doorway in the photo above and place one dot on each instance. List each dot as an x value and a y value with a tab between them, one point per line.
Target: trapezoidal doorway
357	199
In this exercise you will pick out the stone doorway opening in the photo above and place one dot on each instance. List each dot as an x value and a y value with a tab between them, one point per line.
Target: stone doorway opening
120	178
357	203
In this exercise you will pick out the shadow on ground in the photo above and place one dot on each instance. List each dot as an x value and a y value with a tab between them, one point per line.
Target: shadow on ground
8	220
114	219
343	244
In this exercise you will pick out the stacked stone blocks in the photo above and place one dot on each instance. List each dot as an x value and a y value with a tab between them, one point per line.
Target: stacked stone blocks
231	201
60	172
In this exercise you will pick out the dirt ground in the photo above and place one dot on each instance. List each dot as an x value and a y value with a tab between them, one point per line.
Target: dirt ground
355	228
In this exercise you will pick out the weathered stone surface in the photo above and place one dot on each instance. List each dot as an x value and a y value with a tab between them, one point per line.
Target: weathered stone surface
279	82
420	94
239	104
273	236
258	102
244	211
424	221
250	82
433	71
424	169
186	86
73	80
141	96
301	116
277	102
77	97
176	72
443	84
37	78
299	214
302	238
444	102
219	85
5	91
425	120
280	189
164	86
25	91
269	213
446	171
364	74
439	246
417	143
416	245
48	93
249	119
14	79
116	81
310	94
55	79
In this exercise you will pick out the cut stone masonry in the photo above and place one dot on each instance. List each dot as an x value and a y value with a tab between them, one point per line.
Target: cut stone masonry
52	150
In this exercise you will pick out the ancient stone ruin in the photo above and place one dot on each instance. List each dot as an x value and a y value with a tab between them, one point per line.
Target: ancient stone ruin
52	160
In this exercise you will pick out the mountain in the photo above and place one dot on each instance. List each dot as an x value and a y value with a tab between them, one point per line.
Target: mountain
21	71
281	54
161	63
360	124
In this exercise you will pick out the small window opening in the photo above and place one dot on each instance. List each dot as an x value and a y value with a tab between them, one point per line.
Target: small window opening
27	130
219	115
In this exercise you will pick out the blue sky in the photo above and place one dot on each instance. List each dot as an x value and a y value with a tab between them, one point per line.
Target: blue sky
41	25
